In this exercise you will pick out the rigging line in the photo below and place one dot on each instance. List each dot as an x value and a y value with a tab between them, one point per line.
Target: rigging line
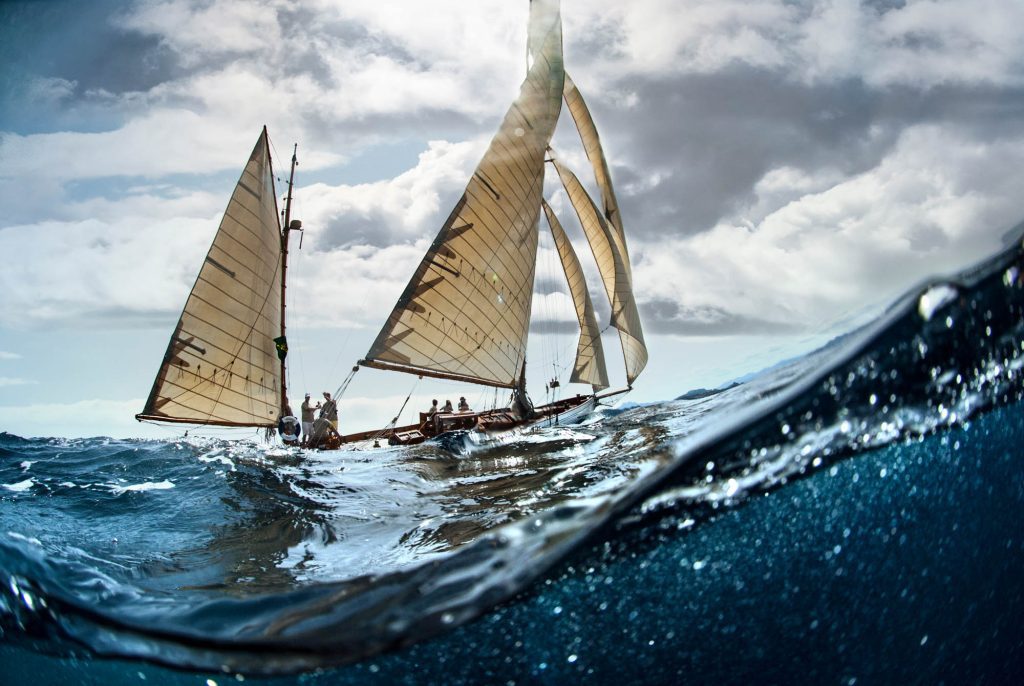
394	421
340	391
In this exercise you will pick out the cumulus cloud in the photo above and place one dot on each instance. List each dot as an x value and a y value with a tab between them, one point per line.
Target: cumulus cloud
90	272
921	44
936	203
406	207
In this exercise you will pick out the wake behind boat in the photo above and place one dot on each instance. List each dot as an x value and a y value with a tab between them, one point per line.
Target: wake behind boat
465	313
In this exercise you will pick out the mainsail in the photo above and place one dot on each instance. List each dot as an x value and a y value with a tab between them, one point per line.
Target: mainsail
465	313
221	366
589	366
614	272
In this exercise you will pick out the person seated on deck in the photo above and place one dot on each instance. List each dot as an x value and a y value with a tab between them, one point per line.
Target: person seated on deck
463	405
330	411
448	406
324	436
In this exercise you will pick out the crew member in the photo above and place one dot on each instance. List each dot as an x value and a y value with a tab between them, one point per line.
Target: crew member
307	419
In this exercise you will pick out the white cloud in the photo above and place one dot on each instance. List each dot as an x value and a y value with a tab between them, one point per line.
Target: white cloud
163	141
85	269
199	31
407	206
9	356
923	43
9	381
353	287
938	202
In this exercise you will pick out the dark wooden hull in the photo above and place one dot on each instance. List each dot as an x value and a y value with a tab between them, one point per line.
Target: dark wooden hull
567	411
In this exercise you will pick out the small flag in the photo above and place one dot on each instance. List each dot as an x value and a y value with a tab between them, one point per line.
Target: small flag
282	347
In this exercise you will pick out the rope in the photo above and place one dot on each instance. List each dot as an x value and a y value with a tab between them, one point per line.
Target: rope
394	420
344	384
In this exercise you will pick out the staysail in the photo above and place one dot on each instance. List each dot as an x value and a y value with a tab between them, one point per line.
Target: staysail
465	313
221	366
614	271
589	366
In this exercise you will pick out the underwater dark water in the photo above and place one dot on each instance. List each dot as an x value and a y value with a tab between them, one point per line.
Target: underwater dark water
851	517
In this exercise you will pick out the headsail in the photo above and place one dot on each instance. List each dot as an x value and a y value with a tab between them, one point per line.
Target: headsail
614	273
221	365
465	313
589	367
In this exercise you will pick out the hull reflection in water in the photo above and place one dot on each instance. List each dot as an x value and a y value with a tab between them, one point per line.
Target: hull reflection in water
218	555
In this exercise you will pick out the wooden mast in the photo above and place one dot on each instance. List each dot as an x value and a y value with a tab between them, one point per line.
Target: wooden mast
285	230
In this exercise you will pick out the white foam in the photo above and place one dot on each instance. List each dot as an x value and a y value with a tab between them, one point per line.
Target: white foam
20	486
147	486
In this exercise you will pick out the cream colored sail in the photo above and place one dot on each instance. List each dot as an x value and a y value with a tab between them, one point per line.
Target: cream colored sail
595	153
614	273
589	367
465	313
221	365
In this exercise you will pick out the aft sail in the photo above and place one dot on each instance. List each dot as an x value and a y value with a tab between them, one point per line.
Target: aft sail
465	313
614	271
589	366
221	366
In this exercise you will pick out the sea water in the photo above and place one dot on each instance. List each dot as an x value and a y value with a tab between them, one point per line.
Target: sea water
853	516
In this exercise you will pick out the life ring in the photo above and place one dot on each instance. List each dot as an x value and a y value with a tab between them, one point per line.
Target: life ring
290	429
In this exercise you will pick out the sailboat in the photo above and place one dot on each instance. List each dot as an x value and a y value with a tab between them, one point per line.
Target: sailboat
465	313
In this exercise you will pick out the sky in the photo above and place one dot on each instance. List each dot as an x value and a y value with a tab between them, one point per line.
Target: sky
784	169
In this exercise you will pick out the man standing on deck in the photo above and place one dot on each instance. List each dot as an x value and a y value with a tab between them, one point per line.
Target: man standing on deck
330	411
307	419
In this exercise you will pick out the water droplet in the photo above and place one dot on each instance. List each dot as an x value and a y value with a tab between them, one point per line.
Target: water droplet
924	639
934	299
571	658
557	610
699	565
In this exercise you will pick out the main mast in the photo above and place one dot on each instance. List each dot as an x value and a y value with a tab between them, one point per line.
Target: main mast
285	230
